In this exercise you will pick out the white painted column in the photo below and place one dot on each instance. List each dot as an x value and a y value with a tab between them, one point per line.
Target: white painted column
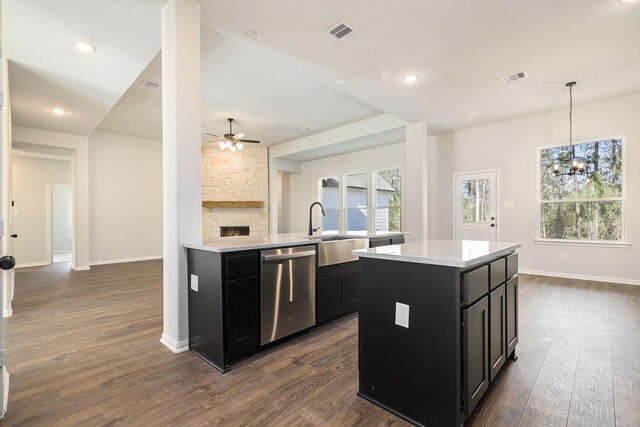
415	182
181	128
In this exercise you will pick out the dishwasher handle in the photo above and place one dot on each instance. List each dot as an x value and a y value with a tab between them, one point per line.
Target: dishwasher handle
288	256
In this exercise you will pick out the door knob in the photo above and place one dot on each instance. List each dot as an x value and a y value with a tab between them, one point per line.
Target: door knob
493	225
7	262
492	218
14	235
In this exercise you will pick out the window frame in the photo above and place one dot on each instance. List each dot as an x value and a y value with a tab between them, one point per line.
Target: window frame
374	200
622	243
318	212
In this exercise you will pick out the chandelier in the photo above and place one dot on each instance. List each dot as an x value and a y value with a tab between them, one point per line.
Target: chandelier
576	164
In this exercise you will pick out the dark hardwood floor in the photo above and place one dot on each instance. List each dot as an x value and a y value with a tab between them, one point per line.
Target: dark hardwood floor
82	349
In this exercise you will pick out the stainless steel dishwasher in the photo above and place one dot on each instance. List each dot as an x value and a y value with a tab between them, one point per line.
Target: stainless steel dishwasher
287	292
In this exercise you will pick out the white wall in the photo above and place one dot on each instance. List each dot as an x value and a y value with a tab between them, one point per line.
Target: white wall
30	177
61	234
303	187
125	203
512	147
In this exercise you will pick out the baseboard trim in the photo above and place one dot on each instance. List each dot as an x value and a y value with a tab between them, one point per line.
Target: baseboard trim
173	345
581	277
32	264
117	261
81	268
7	312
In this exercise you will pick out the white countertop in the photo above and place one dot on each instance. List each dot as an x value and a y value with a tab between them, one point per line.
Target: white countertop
452	253
242	243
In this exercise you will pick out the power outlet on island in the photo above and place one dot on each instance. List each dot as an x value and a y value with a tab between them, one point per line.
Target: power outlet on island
563	256
116	249
194	282
402	315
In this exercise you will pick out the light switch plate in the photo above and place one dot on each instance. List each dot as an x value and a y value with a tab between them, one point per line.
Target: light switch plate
402	315
194	282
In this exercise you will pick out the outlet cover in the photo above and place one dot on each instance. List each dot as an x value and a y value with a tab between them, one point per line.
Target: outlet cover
194	282
116	249
402	315
563	256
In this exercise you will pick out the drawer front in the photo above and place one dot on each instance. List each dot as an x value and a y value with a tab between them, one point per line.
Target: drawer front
240	265
475	284
512	265
377	242
497	272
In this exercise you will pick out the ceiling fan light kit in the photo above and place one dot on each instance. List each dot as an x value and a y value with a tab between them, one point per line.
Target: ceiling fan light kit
232	141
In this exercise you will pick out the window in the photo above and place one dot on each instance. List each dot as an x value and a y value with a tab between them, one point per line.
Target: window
356	203
329	197
585	207
388	200
475	200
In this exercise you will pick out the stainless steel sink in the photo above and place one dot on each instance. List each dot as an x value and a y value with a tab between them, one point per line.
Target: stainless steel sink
337	249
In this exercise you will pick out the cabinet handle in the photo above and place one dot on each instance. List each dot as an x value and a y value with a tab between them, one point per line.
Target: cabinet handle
287	256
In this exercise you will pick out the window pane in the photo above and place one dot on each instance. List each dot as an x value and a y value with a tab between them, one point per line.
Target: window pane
388	186
388	220
603	177
356	219
357	191
582	220
329	193
475	200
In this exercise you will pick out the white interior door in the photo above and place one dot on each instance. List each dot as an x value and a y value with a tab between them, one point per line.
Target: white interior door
475	207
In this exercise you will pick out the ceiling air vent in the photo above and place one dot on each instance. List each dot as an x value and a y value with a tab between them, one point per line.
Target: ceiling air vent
515	76
342	31
149	84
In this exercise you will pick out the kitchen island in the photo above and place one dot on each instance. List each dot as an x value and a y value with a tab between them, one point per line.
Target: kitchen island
438	319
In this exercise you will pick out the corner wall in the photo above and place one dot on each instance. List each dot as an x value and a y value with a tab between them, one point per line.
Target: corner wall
512	148
125	203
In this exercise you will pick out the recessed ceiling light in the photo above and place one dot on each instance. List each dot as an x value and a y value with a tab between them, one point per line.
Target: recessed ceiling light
58	111
628	1
85	47
411	78
341	80
253	36
302	61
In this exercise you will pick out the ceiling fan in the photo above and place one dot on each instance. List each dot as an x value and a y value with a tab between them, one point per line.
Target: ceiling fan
232	141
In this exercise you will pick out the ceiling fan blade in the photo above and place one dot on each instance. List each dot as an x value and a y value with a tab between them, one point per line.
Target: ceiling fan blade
250	141
238	135
211	134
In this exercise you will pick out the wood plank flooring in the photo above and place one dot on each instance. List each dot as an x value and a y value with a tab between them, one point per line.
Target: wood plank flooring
82	349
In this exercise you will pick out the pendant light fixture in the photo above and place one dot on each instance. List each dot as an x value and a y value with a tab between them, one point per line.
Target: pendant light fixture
576	164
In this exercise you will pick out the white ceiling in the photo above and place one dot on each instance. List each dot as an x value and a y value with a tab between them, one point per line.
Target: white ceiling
459	49
47	70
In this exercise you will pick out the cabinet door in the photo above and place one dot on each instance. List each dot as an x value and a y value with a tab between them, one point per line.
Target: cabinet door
512	314
498	330
475	353
353	289
242	314
330	296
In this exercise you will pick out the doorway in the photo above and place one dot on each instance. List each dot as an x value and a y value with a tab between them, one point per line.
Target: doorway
60	232
475	206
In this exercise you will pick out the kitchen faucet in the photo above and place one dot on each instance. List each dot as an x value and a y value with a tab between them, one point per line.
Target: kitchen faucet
311	229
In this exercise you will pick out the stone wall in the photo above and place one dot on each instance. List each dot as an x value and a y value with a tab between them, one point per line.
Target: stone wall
242	175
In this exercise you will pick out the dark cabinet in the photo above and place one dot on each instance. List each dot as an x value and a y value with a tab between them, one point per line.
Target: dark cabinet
475	333
375	242
498	330
337	291
224	311
241	315
512	314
